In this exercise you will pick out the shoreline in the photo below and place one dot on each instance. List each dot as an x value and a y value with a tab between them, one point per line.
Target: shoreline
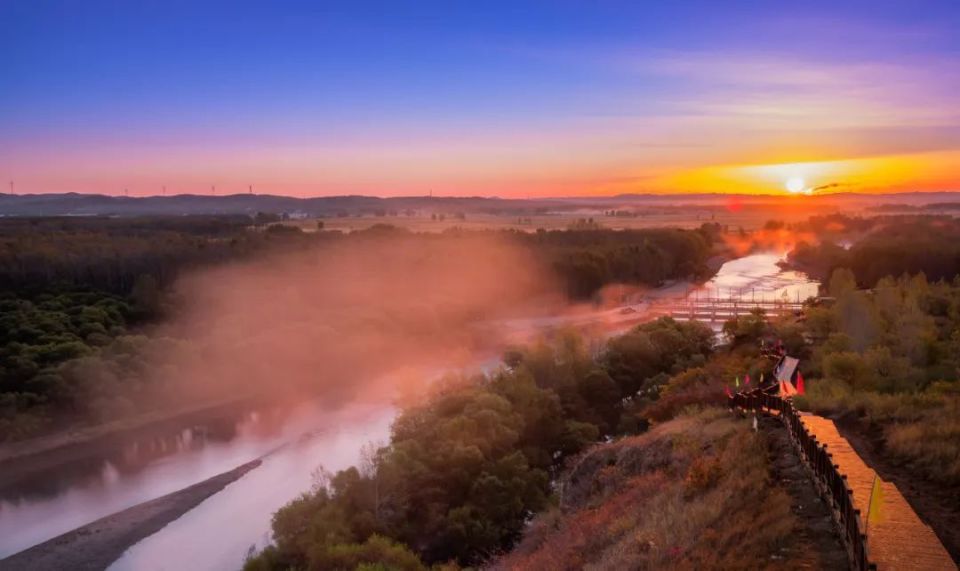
97	545
21	458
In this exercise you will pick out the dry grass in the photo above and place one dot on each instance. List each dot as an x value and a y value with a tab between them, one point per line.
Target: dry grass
693	493
920	429
932	444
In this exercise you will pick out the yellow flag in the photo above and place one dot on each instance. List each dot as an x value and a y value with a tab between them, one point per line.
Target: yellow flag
875	510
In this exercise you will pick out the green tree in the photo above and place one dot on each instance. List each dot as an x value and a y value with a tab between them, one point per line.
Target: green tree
842	282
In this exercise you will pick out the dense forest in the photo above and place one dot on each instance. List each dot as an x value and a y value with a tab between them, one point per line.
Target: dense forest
586	260
881	247
78	294
112	254
75	291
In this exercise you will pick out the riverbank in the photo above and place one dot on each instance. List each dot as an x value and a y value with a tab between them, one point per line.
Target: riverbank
95	546
21	458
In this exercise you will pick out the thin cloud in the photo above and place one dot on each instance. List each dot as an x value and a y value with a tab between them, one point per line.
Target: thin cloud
829	186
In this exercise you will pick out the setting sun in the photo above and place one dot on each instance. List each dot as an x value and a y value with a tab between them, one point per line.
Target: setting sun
795	185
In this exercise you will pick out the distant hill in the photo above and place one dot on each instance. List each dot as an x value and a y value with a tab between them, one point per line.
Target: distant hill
75	204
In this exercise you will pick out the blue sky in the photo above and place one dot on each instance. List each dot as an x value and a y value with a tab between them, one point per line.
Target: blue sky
464	97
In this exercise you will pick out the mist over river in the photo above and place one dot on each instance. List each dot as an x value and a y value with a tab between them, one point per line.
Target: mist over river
218	533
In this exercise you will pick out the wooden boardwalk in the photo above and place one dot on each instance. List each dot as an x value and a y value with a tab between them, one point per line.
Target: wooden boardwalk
900	540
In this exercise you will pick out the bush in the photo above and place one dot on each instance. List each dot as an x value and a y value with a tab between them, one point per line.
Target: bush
375	553
641	360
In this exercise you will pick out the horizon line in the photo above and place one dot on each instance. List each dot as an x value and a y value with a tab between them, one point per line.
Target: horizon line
678	195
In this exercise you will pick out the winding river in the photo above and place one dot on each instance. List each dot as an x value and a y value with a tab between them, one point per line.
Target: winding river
219	532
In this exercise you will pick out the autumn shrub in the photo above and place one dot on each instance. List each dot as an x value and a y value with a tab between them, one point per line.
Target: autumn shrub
706	385
931	443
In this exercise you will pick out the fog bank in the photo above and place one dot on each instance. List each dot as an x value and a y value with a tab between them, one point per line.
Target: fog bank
334	318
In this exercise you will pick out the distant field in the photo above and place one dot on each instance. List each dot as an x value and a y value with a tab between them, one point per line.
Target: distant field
683	218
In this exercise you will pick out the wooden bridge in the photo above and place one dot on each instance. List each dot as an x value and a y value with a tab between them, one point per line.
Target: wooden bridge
712	310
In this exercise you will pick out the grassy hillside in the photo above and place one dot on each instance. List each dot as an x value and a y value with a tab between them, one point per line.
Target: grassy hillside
692	493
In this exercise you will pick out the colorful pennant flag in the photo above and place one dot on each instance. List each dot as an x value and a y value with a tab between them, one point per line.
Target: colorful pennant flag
786	389
800	388
875	509
746	380
736	381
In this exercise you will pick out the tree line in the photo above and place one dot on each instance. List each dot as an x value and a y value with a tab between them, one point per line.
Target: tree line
892	246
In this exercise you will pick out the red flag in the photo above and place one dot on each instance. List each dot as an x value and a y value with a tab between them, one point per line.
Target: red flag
726	389
746	380
800	388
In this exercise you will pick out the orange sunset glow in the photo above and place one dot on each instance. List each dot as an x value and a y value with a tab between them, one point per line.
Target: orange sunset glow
600	109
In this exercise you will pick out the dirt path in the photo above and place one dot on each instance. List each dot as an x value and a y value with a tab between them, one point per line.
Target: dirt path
818	544
937	505
95	546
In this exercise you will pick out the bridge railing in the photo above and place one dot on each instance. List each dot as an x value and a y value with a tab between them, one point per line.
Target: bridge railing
832	484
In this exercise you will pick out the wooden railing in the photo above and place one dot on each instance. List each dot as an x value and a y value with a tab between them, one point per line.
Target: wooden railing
717	309
831	483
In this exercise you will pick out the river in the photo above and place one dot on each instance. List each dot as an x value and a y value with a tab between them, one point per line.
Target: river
219	532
